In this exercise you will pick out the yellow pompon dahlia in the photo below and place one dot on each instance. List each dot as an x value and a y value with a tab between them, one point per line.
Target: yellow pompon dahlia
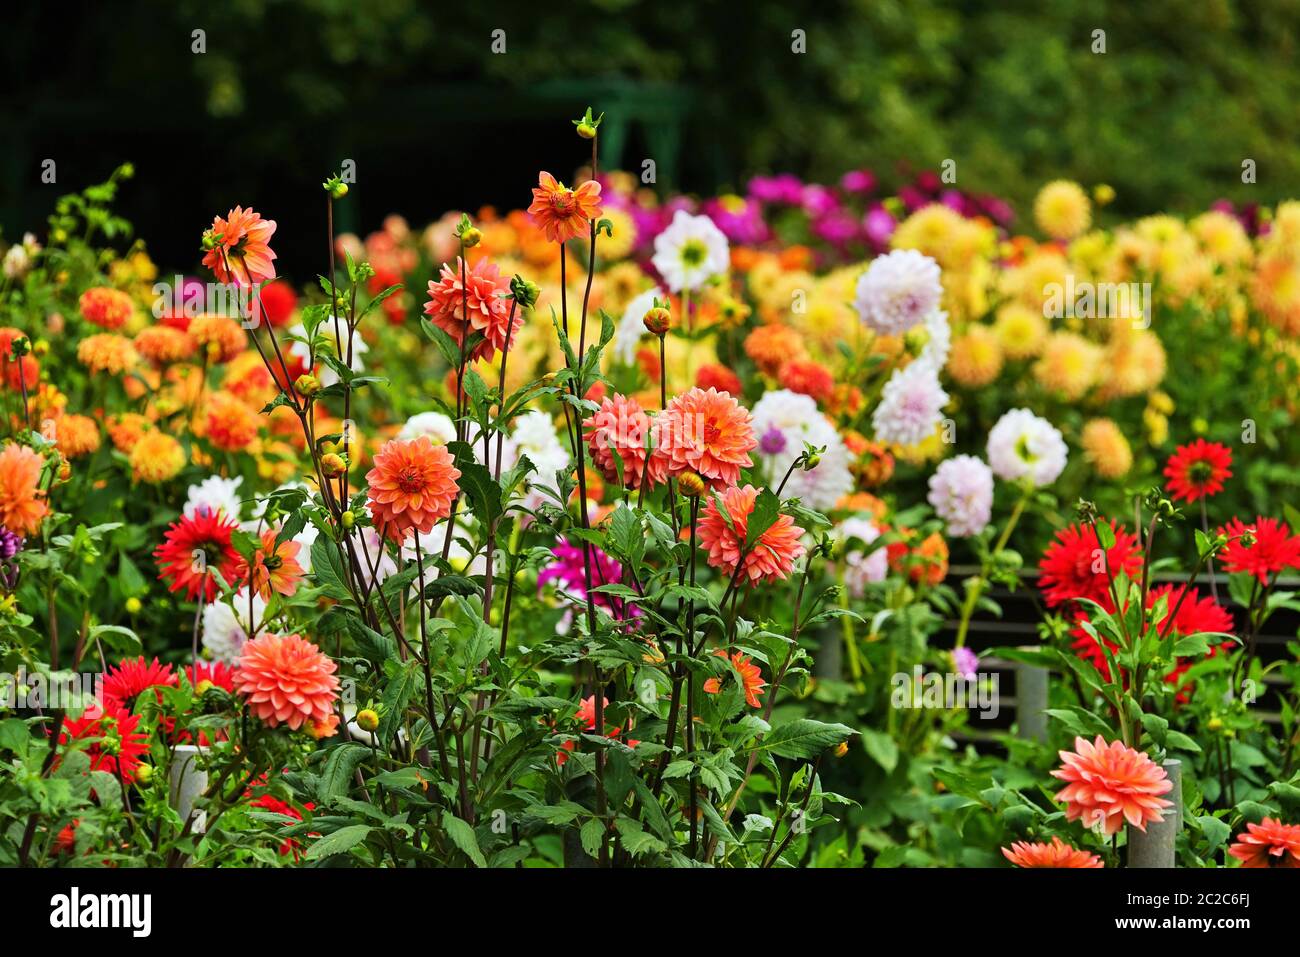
976	357
1134	362
1062	209
1070	365
944	235
1034	281
1105	448
163	345
107	352
1276	289
125	430
231	425
76	435
1021	331
1223	238
221	337
156	457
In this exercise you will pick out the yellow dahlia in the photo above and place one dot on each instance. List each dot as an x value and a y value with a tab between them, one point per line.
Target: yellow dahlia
1105	448
976	357
1069	365
1062	209
1021	331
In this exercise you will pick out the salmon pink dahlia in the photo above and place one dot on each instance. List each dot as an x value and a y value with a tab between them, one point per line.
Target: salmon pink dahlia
1111	784
1056	854
287	680
617	436
238	247
22	501
1269	843
412	486
1197	470
485	295
769	559
563	213
709	433
275	566
106	307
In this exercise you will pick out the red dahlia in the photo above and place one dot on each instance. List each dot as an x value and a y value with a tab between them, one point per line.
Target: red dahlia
124	682
192	548
1273	548
1197	470
112	740
1073	566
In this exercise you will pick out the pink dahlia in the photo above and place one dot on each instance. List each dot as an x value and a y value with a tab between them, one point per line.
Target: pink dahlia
287	680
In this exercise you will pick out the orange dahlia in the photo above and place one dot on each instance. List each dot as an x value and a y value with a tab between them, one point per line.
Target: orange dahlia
1269	843
751	678
1111	784
412	486
125	429
561	212
239	248
156	457
275	567
76	435
617	436
106	307
17	373
772	346
22	501
808	378
107	352
163	345
287	680
769	559
712	375
706	432
1056	854
231	426
485	296
221	337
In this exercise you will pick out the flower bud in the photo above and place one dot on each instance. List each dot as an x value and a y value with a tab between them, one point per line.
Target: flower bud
470	238
367	719
690	484
658	321
307	384
812	462
335	187
586	131
332	464
1103	194
144	773
841	749
525	292
203	687
349	518
133	606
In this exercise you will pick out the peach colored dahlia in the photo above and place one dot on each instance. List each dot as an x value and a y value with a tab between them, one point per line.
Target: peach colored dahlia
287	680
412	486
1109	784
707	432
769	559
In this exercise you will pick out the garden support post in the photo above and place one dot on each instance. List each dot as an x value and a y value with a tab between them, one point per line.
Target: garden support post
1155	846
1031	702
185	783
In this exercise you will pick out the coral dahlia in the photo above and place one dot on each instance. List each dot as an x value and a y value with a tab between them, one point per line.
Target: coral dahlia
1108	784
709	433
1056	854
617	435
22	501
1269	843
412	486
751	678
287	680
563	213
769	559
486	297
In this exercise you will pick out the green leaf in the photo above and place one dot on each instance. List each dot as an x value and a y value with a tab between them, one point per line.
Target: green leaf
804	738
767	509
882	748
327	568
462	835
336	777
340	842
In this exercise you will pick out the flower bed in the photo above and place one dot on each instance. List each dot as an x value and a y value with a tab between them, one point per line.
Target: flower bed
618	530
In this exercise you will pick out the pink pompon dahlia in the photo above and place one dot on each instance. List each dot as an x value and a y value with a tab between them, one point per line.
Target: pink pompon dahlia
287	680
770	558
1111	784
1269	843
1056	854
484	298
238	247
709	433
412	486
617	435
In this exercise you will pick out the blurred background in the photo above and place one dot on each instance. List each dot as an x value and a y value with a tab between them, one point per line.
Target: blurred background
434	120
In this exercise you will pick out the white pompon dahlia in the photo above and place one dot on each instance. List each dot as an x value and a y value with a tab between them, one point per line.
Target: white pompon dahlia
961	491
226	625
690	252
911	405
861	568
216	494
898	291
783	421
438	427
1023	445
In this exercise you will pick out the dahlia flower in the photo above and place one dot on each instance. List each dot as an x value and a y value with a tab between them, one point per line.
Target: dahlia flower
772	345
1273	551
563	213
1022	445
230	424
751	678
617	435
131	677
163	345
226	626
1062	209
1197	470
1107	785
961	491
911	405
784	421
713	375
113	740
771	558
690	252
1269	843
193	546
438	427
76	435
568	574
1056	854
107	352
706	432
18	371
287	680
22	500
486	295
898	291
156	457
924	561
216	493
1105	448
106	307
240	250
1073	566
808	378
976	357
275	568
412	486
220	337
861	567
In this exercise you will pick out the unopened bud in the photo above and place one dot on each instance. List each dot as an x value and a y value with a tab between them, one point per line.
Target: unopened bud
470	238
144	773
586	131
335	187
525	292
367	719
133	606
690	484
307	384
349	518
658	321
841	749
332	464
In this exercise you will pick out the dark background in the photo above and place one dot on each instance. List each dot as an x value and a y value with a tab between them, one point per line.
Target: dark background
434	120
